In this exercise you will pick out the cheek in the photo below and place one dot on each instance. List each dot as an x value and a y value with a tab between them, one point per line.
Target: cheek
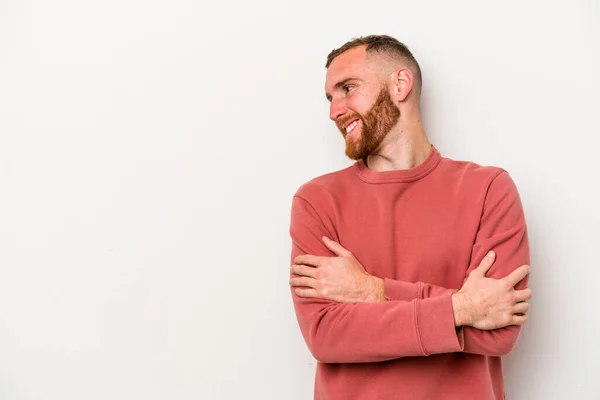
362	102
358	105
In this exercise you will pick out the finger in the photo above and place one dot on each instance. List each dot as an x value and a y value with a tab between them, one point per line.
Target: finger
523	295
306	292
521	308
335	247
517	275
308	259
519	319
304	270
303	281
485	264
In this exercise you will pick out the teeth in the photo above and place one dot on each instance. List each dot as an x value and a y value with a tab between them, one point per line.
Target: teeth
351	126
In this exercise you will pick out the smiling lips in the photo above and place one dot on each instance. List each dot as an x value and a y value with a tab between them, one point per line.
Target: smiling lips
348	128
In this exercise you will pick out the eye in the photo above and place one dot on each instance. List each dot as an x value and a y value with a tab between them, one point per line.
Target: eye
347	88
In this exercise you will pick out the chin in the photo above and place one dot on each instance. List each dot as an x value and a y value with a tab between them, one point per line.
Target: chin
354	153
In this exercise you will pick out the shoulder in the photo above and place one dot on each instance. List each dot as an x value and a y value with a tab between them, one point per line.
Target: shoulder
316	201
492	185
472	170
477	176
325	187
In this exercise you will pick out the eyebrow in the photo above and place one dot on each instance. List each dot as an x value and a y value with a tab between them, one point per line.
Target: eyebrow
339	85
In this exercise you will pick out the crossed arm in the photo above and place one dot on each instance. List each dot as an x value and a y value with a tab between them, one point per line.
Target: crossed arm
483	303
349	320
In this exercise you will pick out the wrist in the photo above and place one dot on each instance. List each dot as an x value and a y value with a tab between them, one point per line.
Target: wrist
380	290
460	309
375	290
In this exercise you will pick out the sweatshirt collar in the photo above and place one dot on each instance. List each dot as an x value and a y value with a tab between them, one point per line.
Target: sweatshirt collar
400	175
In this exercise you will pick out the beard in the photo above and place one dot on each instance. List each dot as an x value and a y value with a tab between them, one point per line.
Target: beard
374	125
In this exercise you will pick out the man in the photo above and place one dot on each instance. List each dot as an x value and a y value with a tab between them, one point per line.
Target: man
408	269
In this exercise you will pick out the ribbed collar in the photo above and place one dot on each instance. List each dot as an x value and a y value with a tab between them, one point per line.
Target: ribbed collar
400	175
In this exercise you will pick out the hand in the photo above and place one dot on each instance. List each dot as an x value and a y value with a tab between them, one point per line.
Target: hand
341	278
486	303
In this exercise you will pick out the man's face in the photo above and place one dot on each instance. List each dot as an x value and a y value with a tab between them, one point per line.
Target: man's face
361	105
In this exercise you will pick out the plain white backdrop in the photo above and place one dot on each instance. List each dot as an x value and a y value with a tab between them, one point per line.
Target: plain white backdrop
149	151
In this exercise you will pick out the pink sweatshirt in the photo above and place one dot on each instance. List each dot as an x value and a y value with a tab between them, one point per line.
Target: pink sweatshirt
422	230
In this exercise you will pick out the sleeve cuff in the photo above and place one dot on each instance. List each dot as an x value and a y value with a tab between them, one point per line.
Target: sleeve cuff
435	325
399	290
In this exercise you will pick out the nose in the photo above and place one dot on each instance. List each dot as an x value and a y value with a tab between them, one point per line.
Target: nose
337	109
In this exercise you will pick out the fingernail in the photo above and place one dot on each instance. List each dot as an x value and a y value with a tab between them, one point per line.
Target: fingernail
490	254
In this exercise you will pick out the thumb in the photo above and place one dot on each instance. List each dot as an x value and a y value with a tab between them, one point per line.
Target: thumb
335	247
486	263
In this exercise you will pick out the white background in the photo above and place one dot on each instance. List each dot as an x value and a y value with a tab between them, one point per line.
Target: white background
149	151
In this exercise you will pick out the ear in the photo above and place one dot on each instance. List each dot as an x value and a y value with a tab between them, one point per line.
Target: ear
403	81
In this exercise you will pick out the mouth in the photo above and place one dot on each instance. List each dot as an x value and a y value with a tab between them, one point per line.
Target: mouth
351	126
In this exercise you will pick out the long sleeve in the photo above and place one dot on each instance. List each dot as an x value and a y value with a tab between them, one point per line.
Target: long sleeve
395	290
365	332
503	230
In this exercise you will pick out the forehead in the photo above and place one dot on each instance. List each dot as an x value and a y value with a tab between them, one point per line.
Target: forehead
350	64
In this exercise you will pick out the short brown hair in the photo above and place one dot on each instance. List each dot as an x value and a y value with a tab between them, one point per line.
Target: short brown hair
382	44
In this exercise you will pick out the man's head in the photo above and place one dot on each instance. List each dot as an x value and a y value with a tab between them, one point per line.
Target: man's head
372	82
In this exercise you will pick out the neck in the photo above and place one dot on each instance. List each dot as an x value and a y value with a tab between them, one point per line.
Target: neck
405	146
